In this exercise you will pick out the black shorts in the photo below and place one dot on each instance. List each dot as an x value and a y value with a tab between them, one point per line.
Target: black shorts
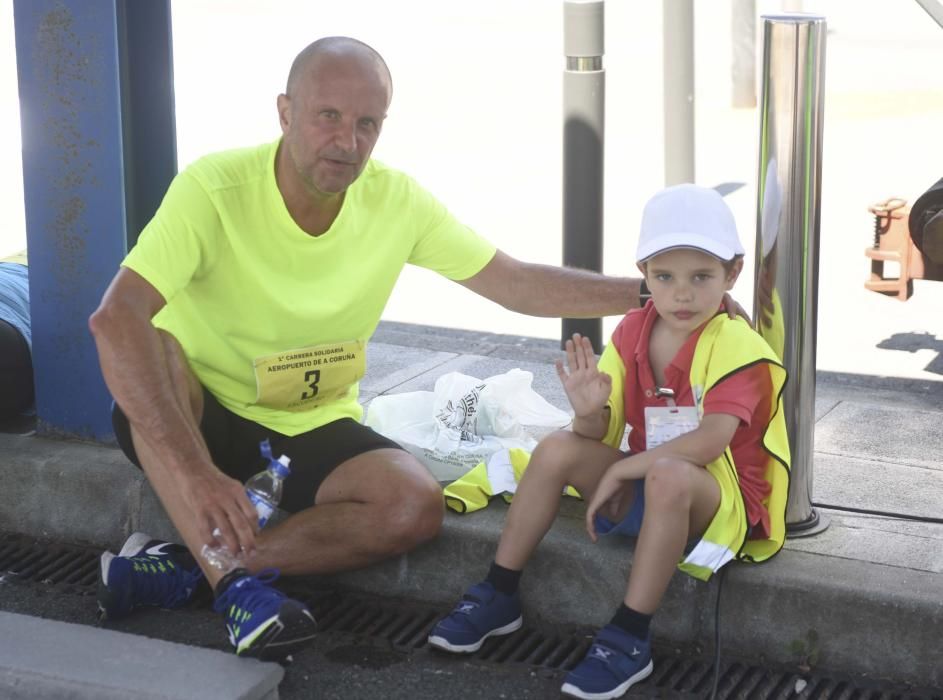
233	443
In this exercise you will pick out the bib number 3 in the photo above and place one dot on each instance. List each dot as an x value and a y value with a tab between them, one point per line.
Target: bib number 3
301	379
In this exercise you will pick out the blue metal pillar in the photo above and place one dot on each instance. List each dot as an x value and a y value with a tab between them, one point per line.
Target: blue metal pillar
76	66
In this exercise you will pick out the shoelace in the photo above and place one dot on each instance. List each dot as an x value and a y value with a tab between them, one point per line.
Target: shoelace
157	580
253	591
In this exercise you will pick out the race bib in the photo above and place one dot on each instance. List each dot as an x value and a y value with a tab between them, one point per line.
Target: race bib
664	423
298	380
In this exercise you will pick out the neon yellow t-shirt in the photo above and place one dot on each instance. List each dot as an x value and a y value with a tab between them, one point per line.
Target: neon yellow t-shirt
274	321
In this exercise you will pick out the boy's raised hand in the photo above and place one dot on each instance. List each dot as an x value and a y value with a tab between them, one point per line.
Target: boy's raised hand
586	387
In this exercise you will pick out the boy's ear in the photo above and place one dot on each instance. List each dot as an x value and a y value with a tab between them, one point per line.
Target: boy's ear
735	269
641	268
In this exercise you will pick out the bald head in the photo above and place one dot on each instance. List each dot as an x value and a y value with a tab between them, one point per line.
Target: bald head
336	47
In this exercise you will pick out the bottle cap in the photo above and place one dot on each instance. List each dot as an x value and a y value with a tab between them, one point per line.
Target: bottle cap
280	466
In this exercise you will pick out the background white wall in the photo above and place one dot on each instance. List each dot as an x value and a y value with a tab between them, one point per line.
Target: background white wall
476	117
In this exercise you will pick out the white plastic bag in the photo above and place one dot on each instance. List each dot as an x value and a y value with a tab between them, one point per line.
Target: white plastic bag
465	420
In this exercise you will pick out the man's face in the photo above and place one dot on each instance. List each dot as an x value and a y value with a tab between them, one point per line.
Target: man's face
332	121
688	285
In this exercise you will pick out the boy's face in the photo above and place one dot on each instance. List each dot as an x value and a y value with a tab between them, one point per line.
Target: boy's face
688	285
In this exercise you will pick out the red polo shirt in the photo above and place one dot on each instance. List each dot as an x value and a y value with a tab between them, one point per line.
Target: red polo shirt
744	394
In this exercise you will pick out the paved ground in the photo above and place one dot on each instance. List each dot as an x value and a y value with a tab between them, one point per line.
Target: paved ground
877	448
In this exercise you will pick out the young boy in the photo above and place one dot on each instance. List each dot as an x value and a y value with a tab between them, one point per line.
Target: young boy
706	473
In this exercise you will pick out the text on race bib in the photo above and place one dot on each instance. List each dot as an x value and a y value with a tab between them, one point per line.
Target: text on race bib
301	379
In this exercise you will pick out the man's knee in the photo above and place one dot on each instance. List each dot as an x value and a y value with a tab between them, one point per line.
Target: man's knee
412	510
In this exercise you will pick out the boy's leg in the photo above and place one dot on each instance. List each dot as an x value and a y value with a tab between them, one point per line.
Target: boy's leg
493	607
561	459
680	501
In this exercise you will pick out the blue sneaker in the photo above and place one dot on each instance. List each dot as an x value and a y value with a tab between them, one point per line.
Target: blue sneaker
146	572
614	663
263	622
481	613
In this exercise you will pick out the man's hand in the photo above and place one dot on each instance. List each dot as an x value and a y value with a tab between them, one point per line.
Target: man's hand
586	387
222	510
734	309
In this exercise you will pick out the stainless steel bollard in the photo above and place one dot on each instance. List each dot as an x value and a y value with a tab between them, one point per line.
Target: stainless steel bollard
584	102
787	242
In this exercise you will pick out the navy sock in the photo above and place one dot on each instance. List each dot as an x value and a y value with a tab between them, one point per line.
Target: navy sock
503	580
632	621
226	580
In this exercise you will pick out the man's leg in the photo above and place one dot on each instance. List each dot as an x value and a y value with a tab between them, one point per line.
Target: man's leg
261	621
371	507
384	502
189	394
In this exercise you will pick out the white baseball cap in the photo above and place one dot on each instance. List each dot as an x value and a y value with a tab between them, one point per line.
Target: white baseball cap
688	216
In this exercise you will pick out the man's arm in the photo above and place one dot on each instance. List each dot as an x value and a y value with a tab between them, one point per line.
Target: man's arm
546	290
136	369
561	292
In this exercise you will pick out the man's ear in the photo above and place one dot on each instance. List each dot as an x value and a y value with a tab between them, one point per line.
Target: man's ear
284	106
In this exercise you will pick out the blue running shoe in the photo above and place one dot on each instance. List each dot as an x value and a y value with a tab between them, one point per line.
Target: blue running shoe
614	663
481	613
262	622
146	572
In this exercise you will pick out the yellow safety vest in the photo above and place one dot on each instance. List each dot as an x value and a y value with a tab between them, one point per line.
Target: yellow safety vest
727	346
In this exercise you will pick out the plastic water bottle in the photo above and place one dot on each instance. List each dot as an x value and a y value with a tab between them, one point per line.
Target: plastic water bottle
264	491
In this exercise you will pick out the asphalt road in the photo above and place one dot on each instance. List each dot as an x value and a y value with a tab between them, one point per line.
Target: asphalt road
348	665
337	665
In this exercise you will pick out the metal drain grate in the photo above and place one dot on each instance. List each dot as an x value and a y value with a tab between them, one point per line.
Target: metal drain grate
405	625
70	567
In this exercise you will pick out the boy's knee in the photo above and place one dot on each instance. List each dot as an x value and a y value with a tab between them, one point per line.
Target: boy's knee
667	484
556	450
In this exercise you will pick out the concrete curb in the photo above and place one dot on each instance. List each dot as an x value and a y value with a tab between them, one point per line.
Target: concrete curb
74	662
100	499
